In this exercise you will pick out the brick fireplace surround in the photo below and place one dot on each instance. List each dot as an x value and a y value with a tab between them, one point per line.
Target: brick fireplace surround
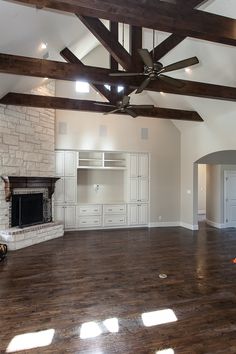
27	140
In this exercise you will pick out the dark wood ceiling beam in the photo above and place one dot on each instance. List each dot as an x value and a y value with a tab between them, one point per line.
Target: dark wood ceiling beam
188	4
114	29
71	58
174	39
157	15
136	42
12	64
167	45
18	99
108	40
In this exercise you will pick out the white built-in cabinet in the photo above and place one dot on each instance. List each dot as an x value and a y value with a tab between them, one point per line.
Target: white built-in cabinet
131	210
138	180
65	197
138	214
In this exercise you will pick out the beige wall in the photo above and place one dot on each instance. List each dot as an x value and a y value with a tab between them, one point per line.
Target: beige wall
214	194
124	134
216	133
201	189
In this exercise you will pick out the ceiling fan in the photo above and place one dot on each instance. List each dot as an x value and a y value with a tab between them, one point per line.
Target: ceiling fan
124	106
154	70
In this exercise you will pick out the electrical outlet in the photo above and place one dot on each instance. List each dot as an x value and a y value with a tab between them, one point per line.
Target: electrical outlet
96	187
159	217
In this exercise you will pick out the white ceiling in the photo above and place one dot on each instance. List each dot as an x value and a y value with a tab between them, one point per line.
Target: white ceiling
29	27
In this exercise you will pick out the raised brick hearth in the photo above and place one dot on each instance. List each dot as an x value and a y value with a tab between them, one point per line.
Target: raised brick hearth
17	238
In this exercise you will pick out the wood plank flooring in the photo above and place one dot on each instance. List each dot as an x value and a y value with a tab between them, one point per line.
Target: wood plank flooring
65	284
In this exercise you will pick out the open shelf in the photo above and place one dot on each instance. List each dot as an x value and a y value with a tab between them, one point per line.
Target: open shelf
101	160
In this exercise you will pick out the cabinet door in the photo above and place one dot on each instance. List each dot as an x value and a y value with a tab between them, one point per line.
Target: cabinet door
59	163
134	189
143	167
133	214
133	165
59	191
70	217
143	190
143	214
59	213
70	189
70	163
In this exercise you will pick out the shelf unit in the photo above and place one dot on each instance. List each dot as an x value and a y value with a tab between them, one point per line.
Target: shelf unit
101	160
102	189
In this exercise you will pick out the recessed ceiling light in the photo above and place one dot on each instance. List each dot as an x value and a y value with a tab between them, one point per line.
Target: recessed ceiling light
161	92
188	70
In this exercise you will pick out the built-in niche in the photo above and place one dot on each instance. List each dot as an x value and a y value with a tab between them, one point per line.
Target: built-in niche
101	186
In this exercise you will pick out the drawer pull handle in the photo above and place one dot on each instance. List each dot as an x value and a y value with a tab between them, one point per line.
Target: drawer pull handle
95	221
83	222
121	220
109	209
95	210
83	209
109	220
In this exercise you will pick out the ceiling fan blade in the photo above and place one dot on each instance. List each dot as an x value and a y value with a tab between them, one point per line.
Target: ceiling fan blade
142	106
104	104
125	74
143	85
172	81
125	100
114	111
131	113
180	64
146	57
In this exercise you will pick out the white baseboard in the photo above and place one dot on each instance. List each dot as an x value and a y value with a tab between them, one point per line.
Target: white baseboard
189	226
201	211
216	224
164	224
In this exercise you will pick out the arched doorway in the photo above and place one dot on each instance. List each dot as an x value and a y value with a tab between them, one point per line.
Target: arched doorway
220	188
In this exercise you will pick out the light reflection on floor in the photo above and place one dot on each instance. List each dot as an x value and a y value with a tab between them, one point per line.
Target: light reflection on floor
91	329
155	318
166	351
30	340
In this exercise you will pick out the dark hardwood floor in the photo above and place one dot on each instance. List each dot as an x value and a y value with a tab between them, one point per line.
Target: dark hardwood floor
93	276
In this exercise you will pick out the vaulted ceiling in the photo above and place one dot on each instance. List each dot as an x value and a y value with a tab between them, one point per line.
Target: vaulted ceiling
73	29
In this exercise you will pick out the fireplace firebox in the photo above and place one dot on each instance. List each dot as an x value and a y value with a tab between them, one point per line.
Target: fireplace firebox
27	209
30	199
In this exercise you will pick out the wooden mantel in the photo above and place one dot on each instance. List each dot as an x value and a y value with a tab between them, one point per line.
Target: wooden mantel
12	182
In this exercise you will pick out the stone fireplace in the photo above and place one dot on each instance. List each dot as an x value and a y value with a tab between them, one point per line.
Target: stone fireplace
29	200
27	141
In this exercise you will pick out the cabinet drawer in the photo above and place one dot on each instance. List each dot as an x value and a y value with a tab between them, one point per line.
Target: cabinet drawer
114	209
92	221
89	210
113	220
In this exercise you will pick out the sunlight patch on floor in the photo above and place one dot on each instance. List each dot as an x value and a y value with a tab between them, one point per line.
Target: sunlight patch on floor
30	340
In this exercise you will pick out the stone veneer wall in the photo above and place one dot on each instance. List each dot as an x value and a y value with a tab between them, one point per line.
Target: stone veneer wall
27	141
